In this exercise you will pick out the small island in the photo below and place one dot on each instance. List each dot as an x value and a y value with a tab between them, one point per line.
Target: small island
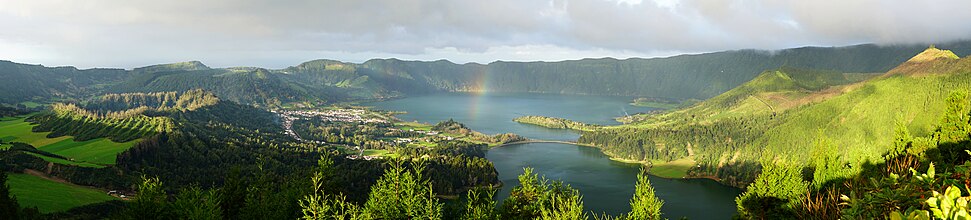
556	123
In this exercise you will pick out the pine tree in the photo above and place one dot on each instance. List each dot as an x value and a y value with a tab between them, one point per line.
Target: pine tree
150	203
772	194
319	205
565	203
198	204
480	205
956	123
645	204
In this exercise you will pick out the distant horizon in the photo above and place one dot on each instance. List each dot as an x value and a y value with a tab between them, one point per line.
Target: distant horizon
207	64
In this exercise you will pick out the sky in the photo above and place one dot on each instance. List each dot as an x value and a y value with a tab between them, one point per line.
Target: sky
277	34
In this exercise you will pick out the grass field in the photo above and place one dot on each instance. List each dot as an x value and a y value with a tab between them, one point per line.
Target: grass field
672	169
49	196
95	151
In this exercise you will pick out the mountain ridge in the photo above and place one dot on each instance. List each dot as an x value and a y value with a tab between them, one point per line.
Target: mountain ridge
688	76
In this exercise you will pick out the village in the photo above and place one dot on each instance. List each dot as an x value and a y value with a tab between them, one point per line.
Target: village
288	117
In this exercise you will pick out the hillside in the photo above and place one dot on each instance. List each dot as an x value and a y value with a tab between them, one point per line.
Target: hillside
698	76
772	91
23	82
783	115
251	86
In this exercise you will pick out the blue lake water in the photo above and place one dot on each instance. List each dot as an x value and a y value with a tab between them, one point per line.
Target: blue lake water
606	185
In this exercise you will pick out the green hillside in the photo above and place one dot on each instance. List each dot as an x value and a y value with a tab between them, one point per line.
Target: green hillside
24	83
772	91
50	196
245	85
785	114
89	153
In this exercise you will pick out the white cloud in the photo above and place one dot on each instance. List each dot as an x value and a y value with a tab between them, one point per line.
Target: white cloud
272	33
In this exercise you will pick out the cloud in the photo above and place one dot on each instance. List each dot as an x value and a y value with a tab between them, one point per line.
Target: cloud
276	34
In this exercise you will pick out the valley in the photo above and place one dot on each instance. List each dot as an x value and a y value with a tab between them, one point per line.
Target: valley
792	141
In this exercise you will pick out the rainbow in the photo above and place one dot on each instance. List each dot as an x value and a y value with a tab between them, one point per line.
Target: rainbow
478	89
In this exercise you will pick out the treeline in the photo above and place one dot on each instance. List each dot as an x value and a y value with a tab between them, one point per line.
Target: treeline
919	178
119	126
160	101
556	123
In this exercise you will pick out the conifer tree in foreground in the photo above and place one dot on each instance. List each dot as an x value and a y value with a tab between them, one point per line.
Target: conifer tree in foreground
645	204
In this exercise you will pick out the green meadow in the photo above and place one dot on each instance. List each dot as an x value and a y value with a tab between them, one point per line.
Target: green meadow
672	169
86	153
50	196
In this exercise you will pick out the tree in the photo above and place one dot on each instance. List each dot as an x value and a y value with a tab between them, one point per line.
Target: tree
773	193
197	204
525	200
319	205
480	205
536	198
645	204
150	203
403	194
827	164
565	203
8	203
956	123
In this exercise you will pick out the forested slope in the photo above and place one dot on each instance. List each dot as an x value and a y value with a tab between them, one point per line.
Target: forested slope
729	134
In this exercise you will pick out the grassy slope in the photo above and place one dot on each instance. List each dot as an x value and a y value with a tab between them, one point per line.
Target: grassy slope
772	91
855	117
95	151
858	120
49	196
672	169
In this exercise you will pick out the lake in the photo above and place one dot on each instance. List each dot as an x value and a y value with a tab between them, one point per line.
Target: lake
606	185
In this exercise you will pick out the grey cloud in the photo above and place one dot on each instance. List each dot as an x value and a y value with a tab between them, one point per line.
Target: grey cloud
279	33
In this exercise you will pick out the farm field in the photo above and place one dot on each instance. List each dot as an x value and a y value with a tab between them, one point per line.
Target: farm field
96	152
50	196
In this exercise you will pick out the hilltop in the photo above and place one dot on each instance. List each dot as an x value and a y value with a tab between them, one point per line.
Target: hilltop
930	61
931	54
